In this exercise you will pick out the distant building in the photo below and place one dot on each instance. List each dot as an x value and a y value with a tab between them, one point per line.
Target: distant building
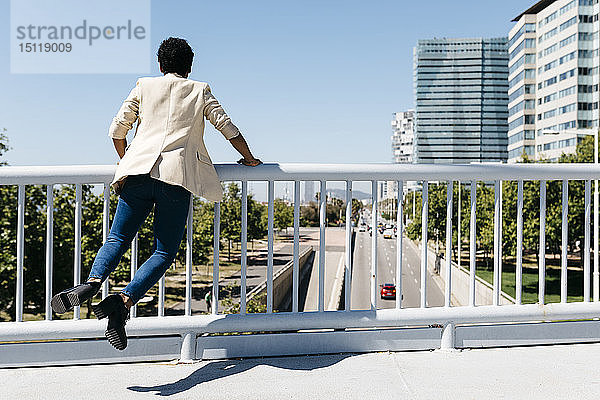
461	97
403	127
553	78
309	191
382	190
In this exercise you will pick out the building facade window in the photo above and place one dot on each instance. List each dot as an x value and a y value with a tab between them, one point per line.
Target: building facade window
568	40
568	108
568	23
567	57
569	6
548	35
588	19
567	92
525	28
568	74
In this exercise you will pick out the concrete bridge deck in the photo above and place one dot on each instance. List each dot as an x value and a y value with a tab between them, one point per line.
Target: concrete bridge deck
541	372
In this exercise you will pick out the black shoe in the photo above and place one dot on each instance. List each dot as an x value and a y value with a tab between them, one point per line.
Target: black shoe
114	308
75	296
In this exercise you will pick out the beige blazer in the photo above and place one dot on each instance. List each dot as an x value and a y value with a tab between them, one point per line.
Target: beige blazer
168	141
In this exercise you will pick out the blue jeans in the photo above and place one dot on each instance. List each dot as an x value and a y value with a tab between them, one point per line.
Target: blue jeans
140	193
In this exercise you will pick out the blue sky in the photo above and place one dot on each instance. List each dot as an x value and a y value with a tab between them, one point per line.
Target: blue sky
306	81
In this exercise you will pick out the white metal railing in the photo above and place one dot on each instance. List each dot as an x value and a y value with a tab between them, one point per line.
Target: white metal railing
188	326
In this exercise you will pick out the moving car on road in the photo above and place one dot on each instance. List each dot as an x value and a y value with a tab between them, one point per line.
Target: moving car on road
388	291
388	234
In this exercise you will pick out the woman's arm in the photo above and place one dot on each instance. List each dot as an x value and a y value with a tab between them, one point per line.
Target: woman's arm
120	146
124	120
239	143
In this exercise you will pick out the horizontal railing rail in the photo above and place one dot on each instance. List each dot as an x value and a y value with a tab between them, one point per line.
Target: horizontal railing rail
448	315
87	174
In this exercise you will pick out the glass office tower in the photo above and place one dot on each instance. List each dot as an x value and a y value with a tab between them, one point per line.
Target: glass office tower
461	91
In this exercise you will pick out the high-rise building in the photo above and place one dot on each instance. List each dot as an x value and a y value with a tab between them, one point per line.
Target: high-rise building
403	150
461	100
553	78
403	127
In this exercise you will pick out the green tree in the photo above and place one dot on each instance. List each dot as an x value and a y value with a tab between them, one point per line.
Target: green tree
257	212
231	216
357	207
309	214
203	231
335	211
283	215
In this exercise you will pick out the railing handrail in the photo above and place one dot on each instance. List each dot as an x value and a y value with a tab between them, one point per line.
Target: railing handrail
446	316
88	174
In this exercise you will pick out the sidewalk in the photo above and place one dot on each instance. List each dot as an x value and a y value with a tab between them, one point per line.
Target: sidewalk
542	372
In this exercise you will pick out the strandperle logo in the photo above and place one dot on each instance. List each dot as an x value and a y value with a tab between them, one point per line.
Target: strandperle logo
80	37
84	31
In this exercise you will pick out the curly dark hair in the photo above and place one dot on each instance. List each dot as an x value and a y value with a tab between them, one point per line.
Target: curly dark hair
175	55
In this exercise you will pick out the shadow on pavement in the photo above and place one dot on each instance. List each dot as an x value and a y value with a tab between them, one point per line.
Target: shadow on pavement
222	369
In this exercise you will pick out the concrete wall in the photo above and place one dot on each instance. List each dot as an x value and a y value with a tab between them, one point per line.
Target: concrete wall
283	279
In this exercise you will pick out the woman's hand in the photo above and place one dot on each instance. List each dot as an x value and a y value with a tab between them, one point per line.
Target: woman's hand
253	162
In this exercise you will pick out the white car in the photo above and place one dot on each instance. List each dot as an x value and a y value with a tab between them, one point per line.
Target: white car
388	234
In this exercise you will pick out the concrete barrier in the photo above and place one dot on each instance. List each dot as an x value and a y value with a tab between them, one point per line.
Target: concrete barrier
282	280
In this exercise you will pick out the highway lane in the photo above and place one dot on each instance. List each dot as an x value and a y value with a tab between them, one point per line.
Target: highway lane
386	271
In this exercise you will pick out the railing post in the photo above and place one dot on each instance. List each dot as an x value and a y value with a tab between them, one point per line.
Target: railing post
374	212
348	271
448	286
565	237
105	227
296	250
448	341
542	261
270	217
586	251
49	247
188	257
161	297
497	242
134	267
424	216
519	266
244	244
188	348
215	287
399	237
472	243
20	252
596	228
77	255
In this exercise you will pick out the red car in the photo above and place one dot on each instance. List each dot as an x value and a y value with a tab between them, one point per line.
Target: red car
388	291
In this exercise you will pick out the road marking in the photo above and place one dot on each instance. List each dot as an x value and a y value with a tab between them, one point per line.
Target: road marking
416	280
